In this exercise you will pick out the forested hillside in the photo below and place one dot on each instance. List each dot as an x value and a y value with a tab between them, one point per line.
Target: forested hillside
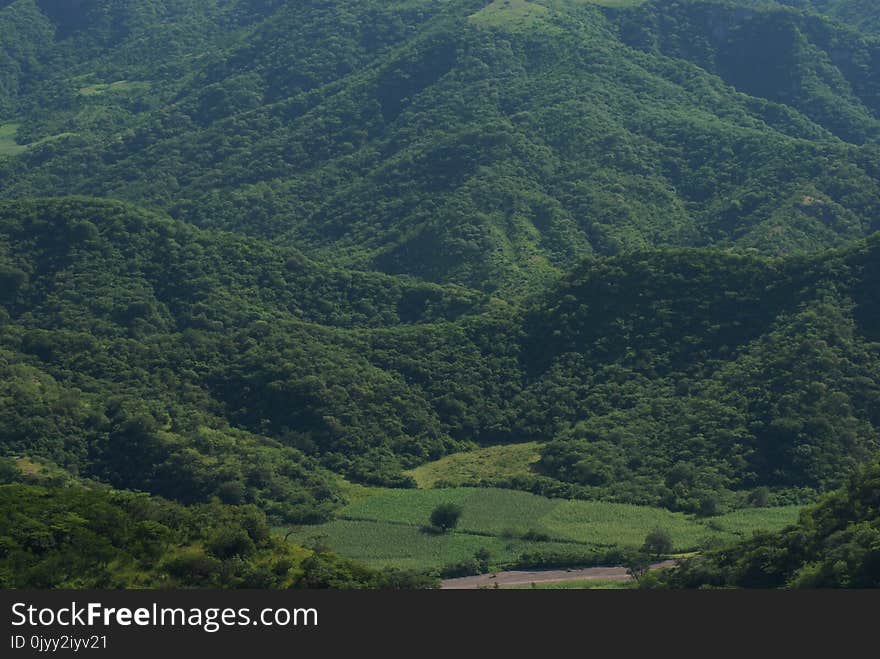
229	366
74	537
836	544
861	13
490	146
251	250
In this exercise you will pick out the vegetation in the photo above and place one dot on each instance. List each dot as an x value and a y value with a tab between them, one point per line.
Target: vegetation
657	543
516	529
482	466
615	262
492	145
241	370
8	145
835	544
73	537
445	516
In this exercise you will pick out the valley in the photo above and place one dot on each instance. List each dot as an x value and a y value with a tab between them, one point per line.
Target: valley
279	279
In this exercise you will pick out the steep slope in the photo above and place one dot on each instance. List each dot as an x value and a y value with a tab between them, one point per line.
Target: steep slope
824	72
118	326
152	355
478	143
860	13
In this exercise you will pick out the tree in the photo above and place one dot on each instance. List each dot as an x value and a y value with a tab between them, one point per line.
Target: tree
9	471
637	566
445	516
231	542
657	542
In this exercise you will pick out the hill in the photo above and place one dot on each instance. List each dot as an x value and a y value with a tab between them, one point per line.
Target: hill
861	13
490	146
251	250
230	367
78	538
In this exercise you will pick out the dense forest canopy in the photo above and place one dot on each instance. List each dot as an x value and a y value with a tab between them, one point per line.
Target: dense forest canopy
248	247
490	146
661	377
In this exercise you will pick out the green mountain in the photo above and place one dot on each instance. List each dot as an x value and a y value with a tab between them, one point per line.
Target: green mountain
492	146
252	248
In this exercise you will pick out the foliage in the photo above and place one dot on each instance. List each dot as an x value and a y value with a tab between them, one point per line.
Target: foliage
835	544
657	543
515	530
73	537
445	516
193	364
487	144
248	247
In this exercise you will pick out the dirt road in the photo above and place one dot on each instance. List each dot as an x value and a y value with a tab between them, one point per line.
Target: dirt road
524	578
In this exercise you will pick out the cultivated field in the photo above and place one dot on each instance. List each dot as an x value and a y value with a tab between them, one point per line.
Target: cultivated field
384	527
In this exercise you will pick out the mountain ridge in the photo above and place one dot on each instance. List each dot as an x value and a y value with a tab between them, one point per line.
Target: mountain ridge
477	155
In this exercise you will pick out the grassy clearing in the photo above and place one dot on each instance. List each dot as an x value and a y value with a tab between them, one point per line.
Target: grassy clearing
37	472
612	3
511	14
118	86
29	468
8	145
471	468
522	14
383	527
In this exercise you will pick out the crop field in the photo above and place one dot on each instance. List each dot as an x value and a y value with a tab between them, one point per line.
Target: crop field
384	527
407	547
742	523
616	524
472	467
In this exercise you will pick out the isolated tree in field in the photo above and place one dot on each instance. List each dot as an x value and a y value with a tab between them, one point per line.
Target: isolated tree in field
445	516
657	543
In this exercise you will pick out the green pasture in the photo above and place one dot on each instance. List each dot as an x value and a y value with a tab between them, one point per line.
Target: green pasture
472	467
